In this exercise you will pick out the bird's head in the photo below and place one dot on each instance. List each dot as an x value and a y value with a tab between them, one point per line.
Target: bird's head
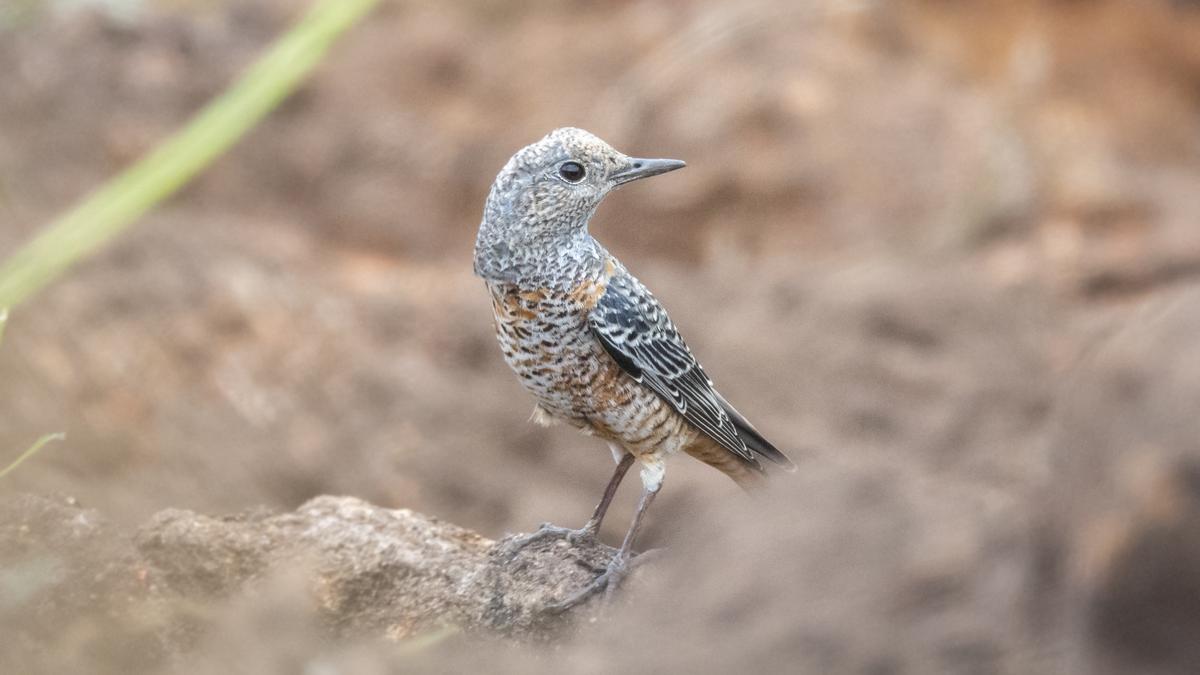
544	196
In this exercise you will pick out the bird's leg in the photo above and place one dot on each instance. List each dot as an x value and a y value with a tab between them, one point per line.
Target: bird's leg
621	564
589	529
592	527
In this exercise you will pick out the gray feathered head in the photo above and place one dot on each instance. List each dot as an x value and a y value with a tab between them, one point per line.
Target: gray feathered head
544	196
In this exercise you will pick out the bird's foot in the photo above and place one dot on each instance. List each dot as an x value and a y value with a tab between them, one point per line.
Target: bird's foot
548	531
608	581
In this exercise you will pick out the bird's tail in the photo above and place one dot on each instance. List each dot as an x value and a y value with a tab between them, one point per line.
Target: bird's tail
747	473
762	447
754	440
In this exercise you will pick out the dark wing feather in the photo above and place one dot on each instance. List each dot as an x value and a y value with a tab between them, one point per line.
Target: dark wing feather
752	438
636	331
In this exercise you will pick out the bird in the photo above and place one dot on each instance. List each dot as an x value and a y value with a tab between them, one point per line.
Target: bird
590	342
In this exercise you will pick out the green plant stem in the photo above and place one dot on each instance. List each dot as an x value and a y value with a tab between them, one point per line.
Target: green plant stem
116	205
33	450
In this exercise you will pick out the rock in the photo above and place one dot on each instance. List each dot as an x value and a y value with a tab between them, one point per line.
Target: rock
394	573
64	575
75	593
859	564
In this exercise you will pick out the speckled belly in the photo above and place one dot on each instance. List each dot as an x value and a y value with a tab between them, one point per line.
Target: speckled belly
547	342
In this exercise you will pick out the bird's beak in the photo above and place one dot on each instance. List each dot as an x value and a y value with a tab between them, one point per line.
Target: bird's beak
637	168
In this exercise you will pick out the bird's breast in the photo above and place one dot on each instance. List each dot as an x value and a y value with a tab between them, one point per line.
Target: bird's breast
547	341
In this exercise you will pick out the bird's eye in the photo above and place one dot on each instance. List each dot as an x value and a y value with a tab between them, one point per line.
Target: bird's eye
572	172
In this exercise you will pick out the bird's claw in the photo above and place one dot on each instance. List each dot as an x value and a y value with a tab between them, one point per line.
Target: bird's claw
618	569
547	531
606	582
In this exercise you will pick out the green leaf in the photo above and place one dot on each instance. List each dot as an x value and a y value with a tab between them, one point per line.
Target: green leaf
120	202
33	450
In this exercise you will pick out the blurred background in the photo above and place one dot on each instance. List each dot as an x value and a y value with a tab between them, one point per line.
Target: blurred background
942	251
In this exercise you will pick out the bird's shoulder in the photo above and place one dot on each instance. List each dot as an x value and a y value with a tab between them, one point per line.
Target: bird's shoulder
629	316
578	291
634	328
588	290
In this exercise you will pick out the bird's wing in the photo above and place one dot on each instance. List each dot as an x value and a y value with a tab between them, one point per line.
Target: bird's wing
636	331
